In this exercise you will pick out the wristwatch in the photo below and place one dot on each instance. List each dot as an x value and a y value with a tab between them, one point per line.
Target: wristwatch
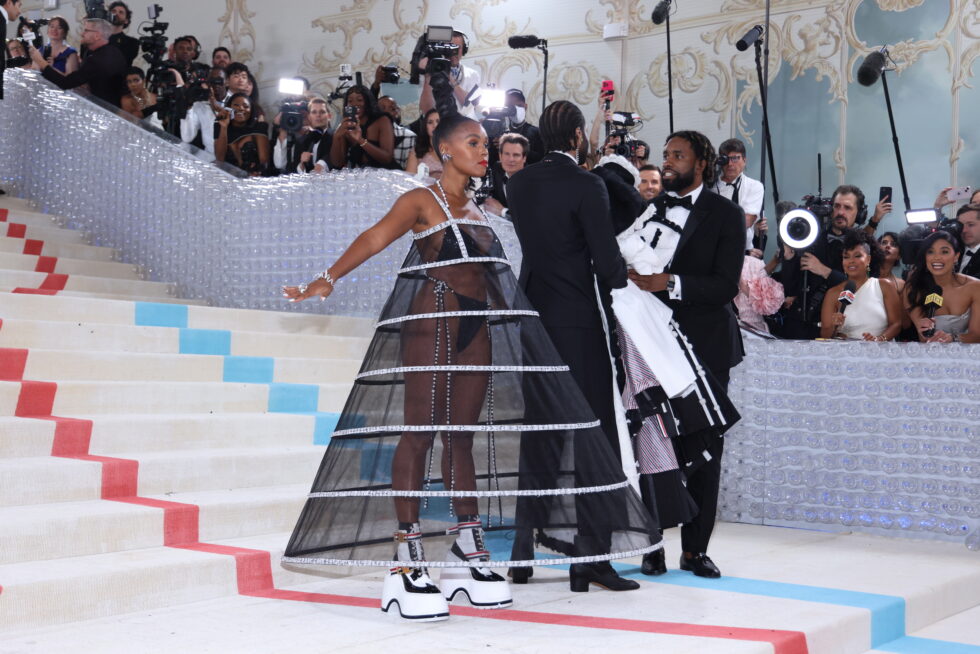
670	284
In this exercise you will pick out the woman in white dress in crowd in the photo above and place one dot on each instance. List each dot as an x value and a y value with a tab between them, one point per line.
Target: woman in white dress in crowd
875	313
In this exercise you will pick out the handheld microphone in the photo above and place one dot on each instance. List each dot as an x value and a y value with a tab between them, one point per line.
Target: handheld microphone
871	68
844	300
524	41
751	38
660	12
933	302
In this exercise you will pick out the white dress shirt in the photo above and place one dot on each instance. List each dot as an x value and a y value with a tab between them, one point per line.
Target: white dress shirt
751	193
678	215
199	118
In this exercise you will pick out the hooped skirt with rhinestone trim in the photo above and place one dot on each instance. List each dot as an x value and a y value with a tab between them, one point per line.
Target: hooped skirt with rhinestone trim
463	407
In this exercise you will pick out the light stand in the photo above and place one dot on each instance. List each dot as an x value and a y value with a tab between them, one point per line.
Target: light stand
543	46
670	79
898	151
875	65
766	134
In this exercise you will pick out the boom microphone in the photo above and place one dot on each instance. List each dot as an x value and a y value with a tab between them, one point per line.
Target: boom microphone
750	38
524	41
933	301
660	12
871	68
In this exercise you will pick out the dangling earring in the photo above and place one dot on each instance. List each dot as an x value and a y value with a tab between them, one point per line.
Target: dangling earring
446	157
867	271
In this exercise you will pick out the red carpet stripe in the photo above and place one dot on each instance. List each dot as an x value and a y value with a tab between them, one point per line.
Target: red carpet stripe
253	568
33	246
46	264
52	284
16	230
3	215
13	361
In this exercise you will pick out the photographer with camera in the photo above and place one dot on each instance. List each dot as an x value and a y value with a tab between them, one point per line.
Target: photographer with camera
103	71
365	137
404	137
310	151
197	126
122	16
240	139
744	191
822	261
185	52
57	53
518	124
461	77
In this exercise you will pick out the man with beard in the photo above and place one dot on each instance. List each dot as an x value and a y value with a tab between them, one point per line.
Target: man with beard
197	126
121	18
699	285
822	263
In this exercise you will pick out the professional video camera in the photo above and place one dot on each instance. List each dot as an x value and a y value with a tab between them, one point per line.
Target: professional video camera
921	223
624	126
497	121
437	46
391	75
95	9
294	107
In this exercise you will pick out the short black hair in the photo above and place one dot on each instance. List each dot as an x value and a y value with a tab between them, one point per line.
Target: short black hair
236	67
651	167
703	151
732	145
850	189
220	48
135	70
62	21
559	120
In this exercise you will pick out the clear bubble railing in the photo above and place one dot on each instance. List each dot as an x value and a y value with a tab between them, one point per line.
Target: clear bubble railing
227	240
875	437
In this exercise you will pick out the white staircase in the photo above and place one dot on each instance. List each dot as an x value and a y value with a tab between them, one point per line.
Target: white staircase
153	452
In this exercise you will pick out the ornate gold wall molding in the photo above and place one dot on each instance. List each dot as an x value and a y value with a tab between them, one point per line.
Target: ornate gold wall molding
483	36
236	28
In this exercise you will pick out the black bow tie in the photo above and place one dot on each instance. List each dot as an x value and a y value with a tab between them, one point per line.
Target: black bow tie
670	202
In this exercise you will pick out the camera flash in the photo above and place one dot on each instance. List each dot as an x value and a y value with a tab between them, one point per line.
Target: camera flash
921	216
291	86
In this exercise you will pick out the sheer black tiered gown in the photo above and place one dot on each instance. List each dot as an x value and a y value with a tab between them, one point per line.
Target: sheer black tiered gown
462	396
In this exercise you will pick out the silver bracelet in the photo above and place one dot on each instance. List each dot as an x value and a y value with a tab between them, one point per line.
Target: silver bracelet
325	276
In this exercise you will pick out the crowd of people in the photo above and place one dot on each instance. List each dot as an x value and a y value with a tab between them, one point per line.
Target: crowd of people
216	107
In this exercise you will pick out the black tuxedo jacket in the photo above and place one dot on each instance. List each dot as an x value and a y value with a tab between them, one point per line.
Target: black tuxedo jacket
561	216
708	262
973	268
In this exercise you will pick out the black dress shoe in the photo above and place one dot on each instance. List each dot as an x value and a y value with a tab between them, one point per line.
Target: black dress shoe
602	574
520	575
654	563
700	565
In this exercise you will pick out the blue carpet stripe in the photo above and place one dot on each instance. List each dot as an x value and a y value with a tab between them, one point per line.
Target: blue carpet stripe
293	398
156	314
887	611
324	427
249	370
913	645
205	341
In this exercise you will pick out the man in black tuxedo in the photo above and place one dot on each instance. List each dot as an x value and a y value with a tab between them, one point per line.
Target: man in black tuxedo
9	11
561	216
699	285
969	218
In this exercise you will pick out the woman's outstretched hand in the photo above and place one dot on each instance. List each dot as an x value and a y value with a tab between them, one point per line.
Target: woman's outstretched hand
319	287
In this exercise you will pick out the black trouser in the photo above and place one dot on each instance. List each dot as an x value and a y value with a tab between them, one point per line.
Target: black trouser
703	485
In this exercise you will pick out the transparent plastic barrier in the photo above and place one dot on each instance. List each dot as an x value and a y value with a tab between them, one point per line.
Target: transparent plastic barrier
228	240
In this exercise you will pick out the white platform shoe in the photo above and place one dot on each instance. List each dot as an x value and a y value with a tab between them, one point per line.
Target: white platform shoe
411	589
483	587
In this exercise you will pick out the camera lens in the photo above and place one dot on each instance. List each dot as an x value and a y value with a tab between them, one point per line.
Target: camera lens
798	229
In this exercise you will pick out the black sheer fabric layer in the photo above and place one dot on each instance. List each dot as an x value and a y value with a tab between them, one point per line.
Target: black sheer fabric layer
479	405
